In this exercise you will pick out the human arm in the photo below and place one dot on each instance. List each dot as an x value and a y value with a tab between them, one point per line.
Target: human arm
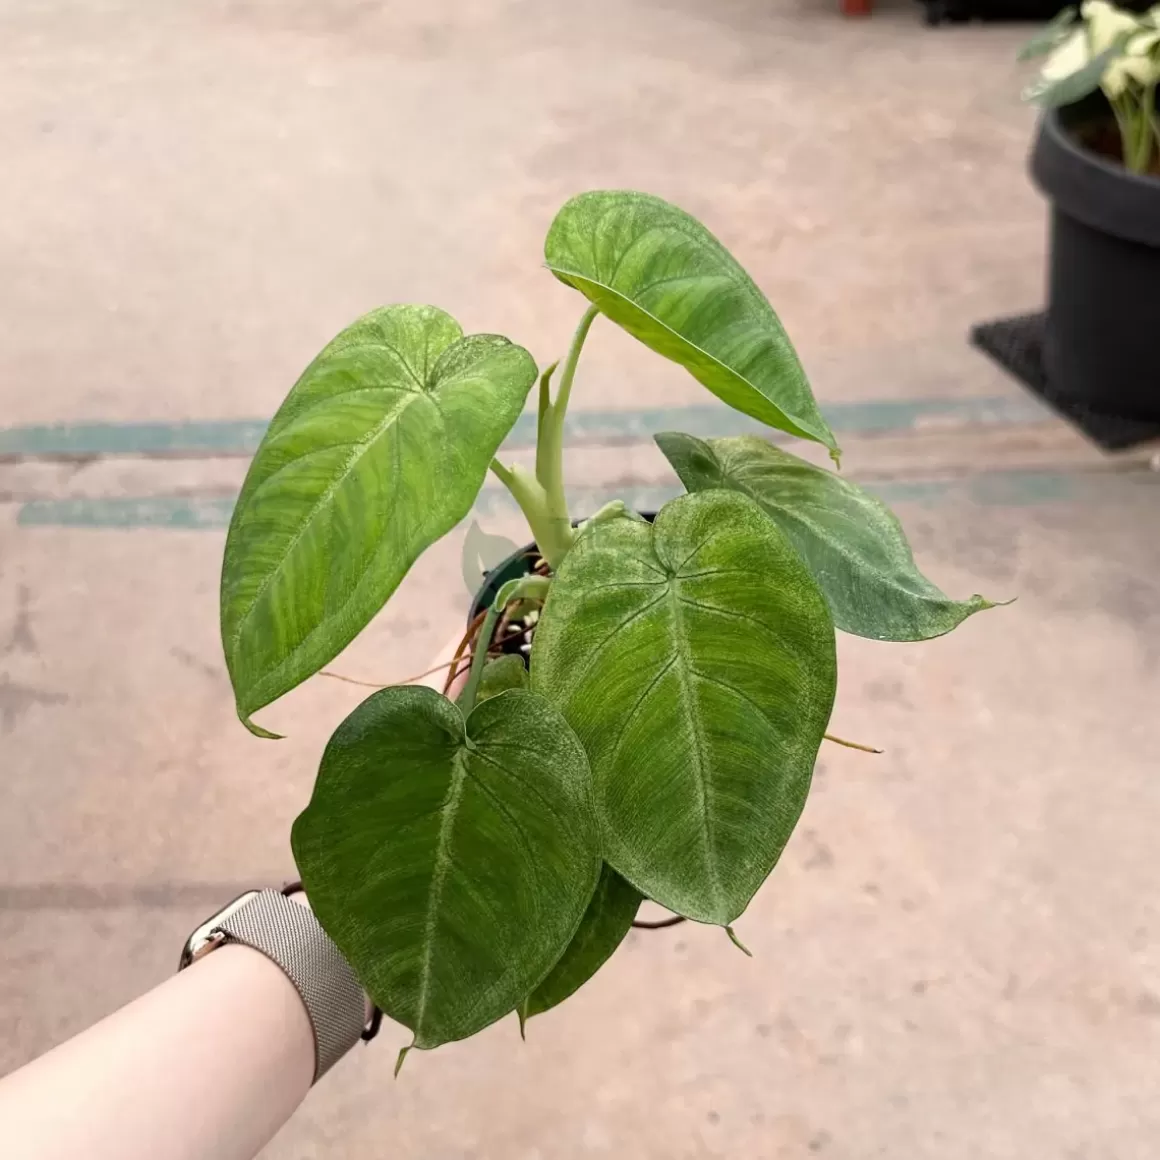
206	1066
209	1064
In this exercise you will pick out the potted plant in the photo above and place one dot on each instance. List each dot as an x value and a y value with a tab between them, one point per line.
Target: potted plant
1097	157
484	856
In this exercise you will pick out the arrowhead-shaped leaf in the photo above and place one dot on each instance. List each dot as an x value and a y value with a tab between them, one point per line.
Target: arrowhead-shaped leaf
450	861
851	542
380	448
659	274
694	658
606	921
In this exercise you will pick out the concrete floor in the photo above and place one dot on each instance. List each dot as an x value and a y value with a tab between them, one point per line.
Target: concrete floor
960	954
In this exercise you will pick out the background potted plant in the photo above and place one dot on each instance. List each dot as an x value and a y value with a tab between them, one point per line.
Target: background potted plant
485	856
1097	157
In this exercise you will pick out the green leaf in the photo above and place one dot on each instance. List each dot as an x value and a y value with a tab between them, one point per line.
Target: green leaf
1050	36
851	542
379	449
501	674
450	861
694	658
659	274
606	921
1050	94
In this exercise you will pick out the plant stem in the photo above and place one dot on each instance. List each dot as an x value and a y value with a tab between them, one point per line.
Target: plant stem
560	406
545	405
541	496
479	659
1124	124
1147	125
550	441
1135	124
552	537
464	641
512	590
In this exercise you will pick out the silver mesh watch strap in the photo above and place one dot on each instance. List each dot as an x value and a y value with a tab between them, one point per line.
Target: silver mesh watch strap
294	939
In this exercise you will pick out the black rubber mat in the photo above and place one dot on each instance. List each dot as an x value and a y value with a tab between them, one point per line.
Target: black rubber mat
1016	344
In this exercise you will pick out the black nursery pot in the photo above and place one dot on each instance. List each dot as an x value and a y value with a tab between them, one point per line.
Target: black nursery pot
1103	298
516	565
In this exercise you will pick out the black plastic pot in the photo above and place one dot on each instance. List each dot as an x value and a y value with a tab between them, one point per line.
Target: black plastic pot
960	11
516	565
1102	340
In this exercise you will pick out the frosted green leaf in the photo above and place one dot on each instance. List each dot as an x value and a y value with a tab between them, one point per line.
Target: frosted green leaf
852	543
658	273
451	861
501	674
379	449
694	658
606	922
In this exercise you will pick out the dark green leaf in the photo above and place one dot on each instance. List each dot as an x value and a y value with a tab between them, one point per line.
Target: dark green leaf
451	862
659	274
379	449
606	921
1050	36
694	658
851	542
501	674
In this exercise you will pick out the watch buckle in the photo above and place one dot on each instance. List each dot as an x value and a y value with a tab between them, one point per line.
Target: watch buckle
208	936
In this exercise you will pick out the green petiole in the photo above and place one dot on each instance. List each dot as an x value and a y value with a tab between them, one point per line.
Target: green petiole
526	586
541	496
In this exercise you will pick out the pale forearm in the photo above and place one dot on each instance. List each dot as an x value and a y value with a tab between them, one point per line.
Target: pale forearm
206	1066
210	1064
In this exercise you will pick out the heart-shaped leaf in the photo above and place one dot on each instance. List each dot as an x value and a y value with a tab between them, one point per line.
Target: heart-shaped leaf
694	658
851	542
659	274
606	921
450	861
380	448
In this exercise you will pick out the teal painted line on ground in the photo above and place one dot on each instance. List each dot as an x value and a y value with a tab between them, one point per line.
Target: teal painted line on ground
999	489
230	437
156	511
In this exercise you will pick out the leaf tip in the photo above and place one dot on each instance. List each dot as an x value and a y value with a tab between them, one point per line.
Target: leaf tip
984	603
851	744
835	455
399	1061
522	1015
257	730
737	942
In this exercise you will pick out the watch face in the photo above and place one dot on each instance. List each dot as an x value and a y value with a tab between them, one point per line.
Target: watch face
207	936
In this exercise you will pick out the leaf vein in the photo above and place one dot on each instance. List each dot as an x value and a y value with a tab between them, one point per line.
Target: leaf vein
594	652
729	612
359	449
692	718
438	877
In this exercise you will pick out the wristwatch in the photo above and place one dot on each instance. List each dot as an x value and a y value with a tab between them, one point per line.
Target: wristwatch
290	935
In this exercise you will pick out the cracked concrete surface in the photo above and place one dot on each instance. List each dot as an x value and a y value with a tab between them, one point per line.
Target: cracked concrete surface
959	955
